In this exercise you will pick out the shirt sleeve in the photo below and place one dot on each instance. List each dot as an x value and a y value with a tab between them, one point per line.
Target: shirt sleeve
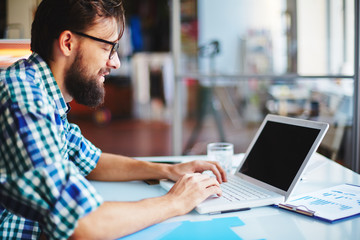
37	180
81	151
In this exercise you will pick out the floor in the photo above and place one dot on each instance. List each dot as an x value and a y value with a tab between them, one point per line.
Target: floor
134	138
137	138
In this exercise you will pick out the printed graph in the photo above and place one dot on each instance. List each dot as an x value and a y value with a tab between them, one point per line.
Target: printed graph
331	204
334	198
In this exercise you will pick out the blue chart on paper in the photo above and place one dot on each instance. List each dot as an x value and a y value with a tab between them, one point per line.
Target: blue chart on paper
331	204
342	200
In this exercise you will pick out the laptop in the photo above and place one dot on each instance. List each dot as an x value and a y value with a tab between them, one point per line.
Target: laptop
272	165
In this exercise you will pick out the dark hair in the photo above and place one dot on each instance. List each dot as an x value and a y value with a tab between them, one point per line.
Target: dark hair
52	17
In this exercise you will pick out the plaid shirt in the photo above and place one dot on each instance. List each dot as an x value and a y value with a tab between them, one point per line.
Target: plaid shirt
43	158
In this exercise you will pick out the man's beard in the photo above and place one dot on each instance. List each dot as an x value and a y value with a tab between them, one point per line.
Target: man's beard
85	89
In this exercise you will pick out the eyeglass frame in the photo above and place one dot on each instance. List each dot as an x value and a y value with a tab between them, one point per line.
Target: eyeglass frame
115	45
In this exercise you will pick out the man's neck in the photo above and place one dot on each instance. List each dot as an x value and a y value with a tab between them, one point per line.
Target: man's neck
58	70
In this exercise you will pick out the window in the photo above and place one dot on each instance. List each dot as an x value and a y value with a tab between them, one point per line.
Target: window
251	58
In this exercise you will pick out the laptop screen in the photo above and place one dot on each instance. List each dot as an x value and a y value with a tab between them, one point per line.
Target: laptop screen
278	153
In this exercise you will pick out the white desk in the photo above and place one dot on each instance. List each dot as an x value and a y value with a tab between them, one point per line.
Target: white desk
264	222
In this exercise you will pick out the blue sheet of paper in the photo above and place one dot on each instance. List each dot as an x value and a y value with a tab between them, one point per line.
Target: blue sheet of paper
218	228
154	232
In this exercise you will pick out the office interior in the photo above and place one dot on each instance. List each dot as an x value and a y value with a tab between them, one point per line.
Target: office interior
201	71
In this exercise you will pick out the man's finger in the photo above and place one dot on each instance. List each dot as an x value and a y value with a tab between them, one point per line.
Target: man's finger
218	171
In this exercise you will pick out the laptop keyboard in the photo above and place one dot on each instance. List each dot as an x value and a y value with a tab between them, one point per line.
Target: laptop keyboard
234	190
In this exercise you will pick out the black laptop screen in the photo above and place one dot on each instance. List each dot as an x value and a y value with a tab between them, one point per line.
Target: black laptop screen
278	153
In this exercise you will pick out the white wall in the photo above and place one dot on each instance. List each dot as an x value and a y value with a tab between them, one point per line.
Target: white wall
312	42
20	12
229	20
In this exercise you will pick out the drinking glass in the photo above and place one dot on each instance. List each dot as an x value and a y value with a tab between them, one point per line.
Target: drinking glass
221	152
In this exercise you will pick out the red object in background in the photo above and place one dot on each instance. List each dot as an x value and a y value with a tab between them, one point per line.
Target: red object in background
13	50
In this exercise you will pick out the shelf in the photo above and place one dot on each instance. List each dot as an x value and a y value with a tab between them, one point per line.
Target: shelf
259	76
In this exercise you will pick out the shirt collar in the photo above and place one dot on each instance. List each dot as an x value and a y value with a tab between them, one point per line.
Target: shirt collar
50	83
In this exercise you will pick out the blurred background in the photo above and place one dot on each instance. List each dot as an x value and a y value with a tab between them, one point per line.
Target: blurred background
200	71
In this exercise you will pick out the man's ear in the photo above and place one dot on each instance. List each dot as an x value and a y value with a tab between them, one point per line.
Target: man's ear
66	42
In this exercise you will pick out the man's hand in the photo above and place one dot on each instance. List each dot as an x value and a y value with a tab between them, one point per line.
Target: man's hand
112	220
112	167
192	189
198	166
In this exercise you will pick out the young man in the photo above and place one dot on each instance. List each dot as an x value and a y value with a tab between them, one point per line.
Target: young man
45	162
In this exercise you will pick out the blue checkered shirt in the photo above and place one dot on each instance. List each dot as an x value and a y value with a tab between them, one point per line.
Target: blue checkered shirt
43	158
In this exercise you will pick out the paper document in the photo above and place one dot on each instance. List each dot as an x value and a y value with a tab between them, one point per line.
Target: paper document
330	204
217	228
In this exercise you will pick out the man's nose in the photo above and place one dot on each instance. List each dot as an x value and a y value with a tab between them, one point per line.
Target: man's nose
114	62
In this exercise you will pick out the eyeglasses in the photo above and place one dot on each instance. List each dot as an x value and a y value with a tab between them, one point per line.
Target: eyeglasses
115	45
